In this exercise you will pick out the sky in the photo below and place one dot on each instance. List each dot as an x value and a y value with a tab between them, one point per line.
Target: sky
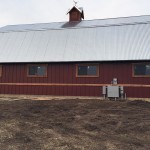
45	11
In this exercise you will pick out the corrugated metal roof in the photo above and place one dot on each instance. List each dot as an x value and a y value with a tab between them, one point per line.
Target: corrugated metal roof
81	24
120	39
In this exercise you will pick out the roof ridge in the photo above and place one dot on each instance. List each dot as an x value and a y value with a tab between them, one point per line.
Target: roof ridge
77	25
82	20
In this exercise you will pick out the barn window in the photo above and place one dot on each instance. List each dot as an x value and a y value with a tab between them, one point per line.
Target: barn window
87	70
141	69
37	70
0	70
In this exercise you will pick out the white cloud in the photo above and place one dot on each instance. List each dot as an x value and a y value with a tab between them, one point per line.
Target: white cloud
33	11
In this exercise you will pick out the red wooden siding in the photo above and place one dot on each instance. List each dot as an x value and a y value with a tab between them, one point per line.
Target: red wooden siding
75	15
65	74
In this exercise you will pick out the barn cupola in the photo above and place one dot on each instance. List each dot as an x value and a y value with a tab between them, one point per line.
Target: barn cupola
76	13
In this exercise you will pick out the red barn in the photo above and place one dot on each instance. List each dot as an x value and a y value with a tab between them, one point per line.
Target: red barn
76	58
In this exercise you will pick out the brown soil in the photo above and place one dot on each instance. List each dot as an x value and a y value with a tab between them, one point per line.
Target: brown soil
74	125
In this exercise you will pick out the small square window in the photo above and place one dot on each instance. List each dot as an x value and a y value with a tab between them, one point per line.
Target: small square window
89	70
141	69
37	70
0	70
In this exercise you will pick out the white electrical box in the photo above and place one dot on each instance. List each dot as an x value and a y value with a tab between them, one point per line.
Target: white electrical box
113	91
104	90
121	90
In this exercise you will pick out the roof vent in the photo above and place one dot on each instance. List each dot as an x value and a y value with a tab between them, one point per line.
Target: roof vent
76	14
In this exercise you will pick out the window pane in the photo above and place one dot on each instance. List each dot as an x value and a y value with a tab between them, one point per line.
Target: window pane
37	70
141	69
0	70
32	70
91	70
41	70
87	70
82	70
147	69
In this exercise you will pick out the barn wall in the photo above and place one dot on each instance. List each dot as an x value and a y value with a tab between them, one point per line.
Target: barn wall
65	74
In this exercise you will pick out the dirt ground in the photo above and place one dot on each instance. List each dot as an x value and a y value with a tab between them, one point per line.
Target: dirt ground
74	124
